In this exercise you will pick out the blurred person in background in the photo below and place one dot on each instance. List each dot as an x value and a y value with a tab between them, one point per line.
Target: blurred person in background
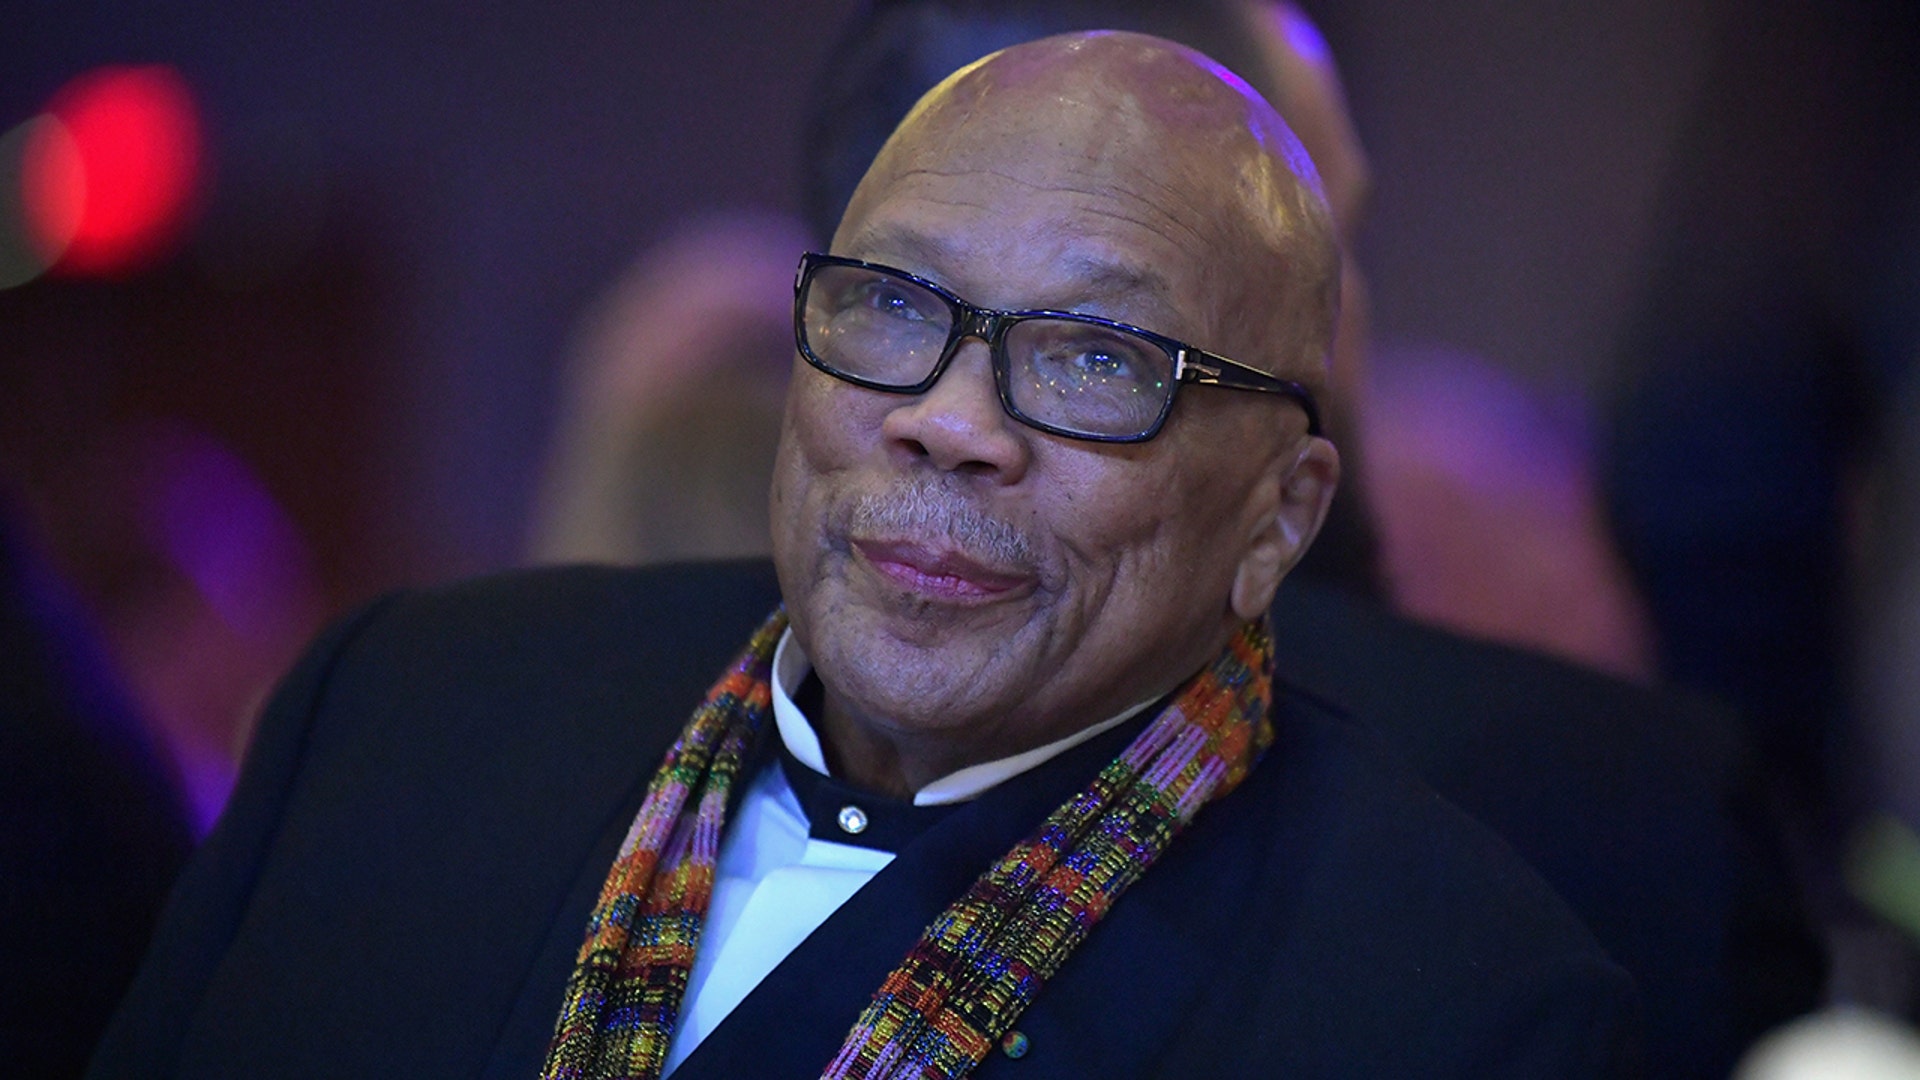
670	412
1764	391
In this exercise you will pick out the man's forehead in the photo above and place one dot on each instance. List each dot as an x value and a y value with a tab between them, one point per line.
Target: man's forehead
1104	198
1092	272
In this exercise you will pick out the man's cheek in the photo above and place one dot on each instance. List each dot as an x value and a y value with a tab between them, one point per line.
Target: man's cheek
833	428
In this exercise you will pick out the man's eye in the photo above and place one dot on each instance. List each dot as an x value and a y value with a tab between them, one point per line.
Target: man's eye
1102	365
1086	363
892	301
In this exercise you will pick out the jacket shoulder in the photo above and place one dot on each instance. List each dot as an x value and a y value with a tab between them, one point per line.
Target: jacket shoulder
573	603
438	787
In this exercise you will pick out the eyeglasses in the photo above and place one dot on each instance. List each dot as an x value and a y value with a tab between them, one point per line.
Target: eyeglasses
1068	374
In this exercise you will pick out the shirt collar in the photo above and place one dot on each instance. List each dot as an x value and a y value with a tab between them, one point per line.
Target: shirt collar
790	669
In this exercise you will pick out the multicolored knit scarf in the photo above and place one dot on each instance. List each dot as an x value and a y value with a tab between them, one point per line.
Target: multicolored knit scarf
980	963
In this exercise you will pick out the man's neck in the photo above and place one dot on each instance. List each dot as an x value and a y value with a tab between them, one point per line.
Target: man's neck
860	754
925	768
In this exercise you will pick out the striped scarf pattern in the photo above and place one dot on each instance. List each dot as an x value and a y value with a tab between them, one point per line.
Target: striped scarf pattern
982	960
617	1017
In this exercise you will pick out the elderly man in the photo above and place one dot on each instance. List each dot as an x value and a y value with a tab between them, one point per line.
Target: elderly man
1014	792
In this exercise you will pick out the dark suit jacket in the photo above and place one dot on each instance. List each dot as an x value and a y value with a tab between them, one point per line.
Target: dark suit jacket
1641	809
402	879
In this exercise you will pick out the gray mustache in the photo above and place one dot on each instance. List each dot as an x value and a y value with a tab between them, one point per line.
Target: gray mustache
922	508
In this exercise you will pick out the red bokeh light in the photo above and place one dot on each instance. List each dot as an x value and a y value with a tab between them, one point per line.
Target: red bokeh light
112	180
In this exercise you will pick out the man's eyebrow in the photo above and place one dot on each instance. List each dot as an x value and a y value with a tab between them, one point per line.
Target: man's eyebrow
1107	278
918	249
1097	277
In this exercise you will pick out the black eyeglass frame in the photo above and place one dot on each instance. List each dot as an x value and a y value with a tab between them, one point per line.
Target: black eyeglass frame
1190	364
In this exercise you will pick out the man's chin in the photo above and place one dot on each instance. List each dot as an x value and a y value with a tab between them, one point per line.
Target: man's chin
909	650
901	690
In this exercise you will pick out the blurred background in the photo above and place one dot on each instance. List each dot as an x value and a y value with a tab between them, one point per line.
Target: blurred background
288	297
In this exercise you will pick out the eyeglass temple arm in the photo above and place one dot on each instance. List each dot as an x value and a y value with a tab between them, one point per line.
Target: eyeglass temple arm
1208	369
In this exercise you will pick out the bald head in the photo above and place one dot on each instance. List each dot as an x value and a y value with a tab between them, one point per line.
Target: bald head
1224	202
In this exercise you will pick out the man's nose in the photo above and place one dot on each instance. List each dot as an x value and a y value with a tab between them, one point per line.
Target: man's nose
958	425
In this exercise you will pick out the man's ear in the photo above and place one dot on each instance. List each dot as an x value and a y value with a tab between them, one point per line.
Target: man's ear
1296	499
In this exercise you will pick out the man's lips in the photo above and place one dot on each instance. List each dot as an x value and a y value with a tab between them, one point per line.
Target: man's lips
945	574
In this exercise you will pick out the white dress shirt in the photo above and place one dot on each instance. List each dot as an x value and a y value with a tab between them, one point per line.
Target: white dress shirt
775	883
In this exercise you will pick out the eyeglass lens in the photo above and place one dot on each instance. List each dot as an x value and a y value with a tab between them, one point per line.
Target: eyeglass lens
1074	375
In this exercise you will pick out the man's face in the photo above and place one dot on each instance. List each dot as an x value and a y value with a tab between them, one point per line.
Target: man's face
962	579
